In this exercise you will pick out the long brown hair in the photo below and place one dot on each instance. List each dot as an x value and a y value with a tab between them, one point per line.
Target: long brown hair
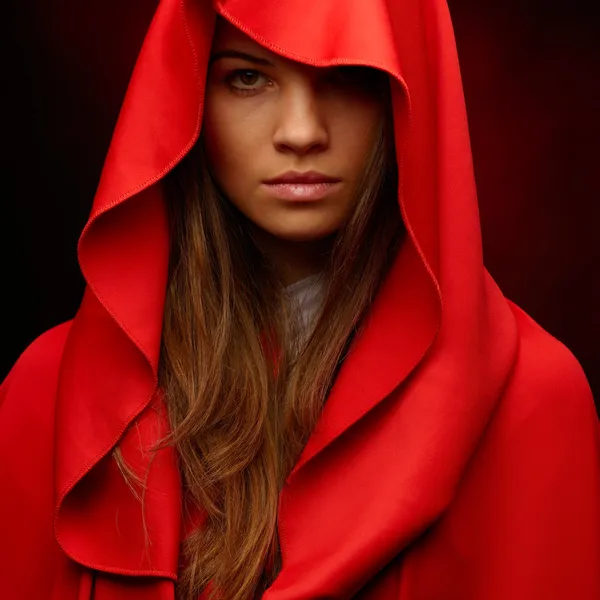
243	394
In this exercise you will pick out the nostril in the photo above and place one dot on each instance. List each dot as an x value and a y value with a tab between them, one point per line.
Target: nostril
301	137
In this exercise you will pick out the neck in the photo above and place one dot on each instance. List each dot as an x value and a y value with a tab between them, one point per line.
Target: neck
294	260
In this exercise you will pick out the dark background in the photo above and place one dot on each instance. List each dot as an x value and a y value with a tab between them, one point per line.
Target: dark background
532	85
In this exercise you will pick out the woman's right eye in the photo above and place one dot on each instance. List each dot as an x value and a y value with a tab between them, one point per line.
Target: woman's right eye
248	78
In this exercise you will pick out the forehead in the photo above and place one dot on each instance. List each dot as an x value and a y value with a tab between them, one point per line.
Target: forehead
229	37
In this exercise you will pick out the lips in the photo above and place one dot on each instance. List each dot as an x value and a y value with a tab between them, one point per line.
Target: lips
302	192
297	177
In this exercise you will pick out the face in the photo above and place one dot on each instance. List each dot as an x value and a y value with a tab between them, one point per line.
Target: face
269	118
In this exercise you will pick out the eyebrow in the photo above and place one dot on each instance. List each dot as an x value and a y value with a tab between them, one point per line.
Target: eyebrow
237	54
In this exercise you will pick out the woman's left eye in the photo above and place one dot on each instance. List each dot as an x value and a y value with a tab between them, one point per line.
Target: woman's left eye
352	75
248	78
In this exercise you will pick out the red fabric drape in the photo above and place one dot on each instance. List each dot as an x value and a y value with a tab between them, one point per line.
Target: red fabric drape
458	453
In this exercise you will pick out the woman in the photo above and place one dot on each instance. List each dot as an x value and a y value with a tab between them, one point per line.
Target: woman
291	375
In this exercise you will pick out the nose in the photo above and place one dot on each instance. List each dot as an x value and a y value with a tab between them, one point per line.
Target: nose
300	127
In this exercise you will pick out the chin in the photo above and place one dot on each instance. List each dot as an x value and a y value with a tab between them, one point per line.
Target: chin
303	235
302	228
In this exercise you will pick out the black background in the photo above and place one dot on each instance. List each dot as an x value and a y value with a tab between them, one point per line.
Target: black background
532	86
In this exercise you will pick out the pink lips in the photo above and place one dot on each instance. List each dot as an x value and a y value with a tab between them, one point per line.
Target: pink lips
298	186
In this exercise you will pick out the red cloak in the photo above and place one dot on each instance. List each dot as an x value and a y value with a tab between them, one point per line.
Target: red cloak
458	455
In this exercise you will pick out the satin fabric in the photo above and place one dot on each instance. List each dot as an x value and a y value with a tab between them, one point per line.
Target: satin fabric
458	454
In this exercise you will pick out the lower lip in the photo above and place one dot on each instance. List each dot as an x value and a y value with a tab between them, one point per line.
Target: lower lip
302	192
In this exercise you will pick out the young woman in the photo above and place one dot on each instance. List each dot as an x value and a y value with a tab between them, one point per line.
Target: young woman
291	376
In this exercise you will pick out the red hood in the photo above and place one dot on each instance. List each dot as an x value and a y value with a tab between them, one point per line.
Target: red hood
435	353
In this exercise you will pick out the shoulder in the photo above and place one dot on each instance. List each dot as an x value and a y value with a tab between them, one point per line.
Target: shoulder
546	364
36	370
548	397
525	516
27	403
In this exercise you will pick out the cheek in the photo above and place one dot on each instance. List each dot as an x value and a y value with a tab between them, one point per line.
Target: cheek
229	142
219	143
356	129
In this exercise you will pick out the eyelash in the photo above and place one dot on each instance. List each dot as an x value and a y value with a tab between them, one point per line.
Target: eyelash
242	91
346	76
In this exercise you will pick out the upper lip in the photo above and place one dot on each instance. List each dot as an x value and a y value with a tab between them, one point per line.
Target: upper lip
302	177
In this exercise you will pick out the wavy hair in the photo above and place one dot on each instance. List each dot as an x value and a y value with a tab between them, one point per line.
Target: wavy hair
243	392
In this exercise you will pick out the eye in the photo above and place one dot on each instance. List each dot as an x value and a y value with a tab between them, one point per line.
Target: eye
245	80
354	75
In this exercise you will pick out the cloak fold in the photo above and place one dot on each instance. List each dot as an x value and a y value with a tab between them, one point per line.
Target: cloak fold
458	454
